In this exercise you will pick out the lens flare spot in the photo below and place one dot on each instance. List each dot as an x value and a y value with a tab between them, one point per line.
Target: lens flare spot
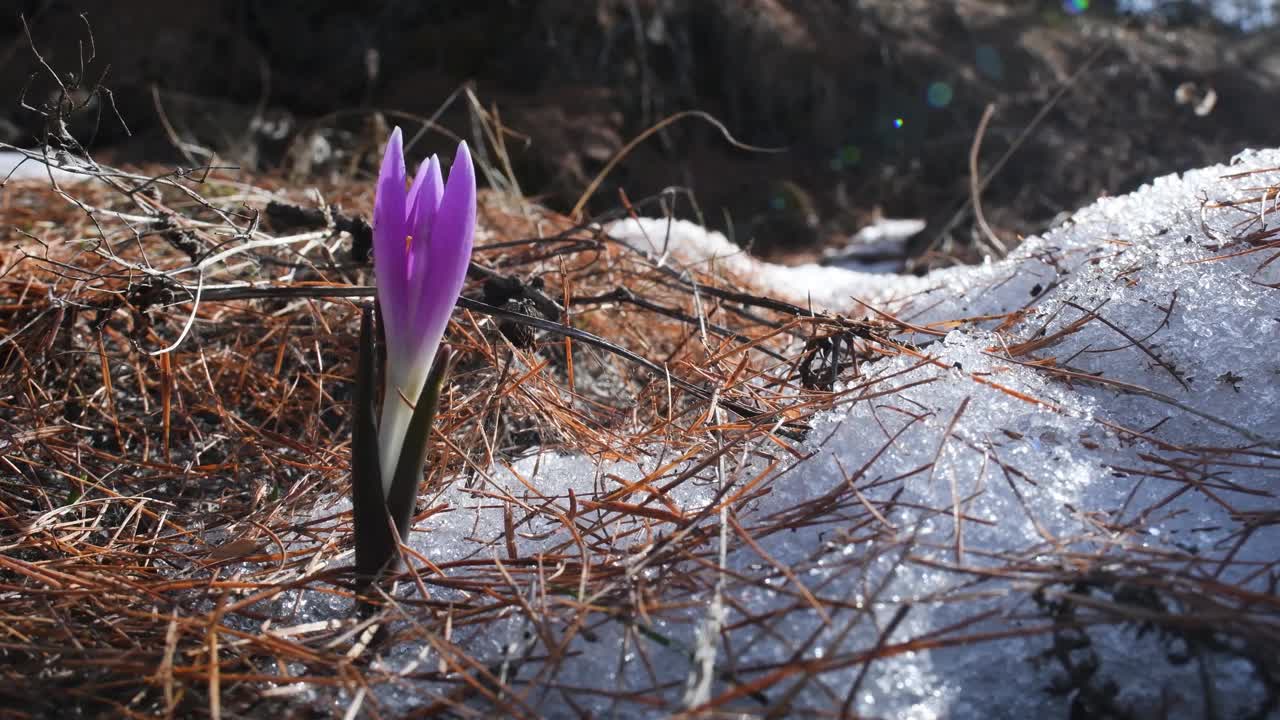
898	122
1075	7
940	94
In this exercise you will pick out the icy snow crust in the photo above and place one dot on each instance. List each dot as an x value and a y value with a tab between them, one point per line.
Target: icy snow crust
1026	477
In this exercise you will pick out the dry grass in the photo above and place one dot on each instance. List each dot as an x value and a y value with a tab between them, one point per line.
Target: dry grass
165	465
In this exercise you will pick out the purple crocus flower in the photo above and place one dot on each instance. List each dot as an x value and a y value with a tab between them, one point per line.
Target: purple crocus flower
422	239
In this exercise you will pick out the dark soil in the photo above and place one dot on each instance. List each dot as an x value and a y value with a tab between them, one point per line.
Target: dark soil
876	102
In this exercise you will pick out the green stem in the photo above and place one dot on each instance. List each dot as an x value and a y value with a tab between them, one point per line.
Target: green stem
413	455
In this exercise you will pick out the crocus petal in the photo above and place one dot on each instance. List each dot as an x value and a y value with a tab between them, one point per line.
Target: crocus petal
389	230
439	279
453	234
425	194
390	201
424	198
408	361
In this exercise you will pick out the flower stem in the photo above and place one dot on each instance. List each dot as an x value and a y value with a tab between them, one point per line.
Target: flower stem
413	454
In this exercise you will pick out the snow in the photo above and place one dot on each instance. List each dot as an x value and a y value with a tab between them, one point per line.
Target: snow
1121	482
824	288
29	165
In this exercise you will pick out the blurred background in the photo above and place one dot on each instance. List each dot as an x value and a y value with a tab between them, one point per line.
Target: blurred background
876	102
